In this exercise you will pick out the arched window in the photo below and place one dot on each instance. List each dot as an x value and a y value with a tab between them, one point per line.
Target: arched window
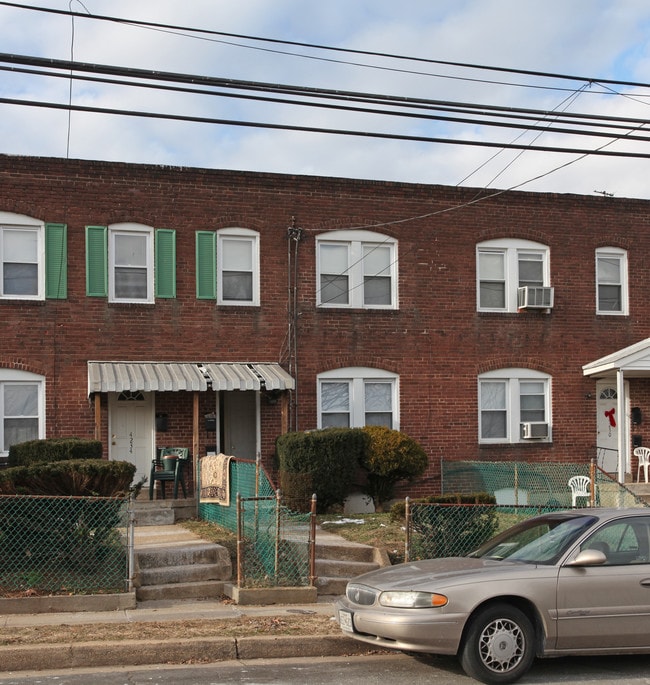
358	396
356	269
514	406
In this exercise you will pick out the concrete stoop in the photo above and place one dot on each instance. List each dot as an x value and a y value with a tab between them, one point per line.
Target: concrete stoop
163	512
177	565
338	561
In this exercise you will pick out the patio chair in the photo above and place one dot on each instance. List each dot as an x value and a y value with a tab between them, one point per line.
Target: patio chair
643	455
580	487
169	465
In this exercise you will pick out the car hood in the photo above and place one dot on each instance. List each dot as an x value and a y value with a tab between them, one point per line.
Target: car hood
437	572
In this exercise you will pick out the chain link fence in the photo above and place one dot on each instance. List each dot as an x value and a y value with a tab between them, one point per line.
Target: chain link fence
63	545
533	484
275	546
454	530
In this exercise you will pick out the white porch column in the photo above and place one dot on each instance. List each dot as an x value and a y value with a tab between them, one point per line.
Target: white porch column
622	425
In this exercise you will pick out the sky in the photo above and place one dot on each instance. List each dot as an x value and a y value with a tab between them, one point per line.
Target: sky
591	40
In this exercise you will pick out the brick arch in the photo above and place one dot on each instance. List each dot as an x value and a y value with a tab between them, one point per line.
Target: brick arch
513	234
350	224
534	364
346	361
238	221
21	365
619	241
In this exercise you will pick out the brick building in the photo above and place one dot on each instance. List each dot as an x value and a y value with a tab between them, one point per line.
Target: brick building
150	306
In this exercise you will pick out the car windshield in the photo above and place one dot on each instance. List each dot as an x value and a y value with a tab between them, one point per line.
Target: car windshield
542	540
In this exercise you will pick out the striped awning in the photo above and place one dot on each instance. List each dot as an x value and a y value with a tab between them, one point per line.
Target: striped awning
191	376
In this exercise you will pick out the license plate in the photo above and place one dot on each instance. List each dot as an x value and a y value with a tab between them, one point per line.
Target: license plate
345	621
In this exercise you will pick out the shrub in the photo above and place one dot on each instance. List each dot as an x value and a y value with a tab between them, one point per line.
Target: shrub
444	530
53	449
83	477
325	460
390	456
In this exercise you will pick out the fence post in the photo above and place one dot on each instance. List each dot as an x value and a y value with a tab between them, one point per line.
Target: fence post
407	517
240	540
312	542
276	561
592	484
131	541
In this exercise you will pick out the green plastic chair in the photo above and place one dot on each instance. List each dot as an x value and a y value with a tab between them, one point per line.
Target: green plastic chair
169	465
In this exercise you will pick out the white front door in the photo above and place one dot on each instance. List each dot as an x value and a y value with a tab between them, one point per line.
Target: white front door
131	428
607	425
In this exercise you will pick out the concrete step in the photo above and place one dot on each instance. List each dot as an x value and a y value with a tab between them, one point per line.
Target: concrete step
187	554
190	590
168	575
163	512
331	586
340	568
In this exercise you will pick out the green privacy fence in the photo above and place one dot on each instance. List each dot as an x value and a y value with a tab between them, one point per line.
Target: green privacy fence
64	545
543	484
275	546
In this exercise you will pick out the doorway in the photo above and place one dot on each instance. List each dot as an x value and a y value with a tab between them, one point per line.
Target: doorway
240	436
607	425
131	429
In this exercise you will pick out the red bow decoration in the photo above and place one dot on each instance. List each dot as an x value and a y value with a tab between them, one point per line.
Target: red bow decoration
610	415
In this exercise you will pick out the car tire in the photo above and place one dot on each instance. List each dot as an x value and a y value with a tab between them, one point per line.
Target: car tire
499	646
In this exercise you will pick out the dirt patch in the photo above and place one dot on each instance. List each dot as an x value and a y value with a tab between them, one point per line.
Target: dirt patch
314	624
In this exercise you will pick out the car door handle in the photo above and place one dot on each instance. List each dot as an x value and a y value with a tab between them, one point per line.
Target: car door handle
645	582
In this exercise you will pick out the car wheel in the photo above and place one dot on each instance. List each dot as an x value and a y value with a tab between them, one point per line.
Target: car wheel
499	646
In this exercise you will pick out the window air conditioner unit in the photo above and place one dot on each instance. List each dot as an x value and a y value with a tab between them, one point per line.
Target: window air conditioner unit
535	297
535	430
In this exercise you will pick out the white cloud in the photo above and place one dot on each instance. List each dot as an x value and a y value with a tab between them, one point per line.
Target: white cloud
590	38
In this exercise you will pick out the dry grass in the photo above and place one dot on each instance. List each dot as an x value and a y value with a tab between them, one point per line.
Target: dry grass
312	624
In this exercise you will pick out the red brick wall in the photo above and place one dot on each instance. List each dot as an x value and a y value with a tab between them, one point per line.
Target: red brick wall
437	342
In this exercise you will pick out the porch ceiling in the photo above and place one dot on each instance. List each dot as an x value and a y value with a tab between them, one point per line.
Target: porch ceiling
634	361
192	376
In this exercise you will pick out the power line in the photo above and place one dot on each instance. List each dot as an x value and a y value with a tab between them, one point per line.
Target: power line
508	115
316	129
369	53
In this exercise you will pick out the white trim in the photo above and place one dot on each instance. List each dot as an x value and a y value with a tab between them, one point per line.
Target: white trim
123	229
21	222
621	255
355	241
250	237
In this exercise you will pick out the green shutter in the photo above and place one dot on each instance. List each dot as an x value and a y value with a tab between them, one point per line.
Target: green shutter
165	262
206	265
96	261
56	261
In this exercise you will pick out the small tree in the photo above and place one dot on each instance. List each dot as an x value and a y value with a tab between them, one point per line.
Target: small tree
390	456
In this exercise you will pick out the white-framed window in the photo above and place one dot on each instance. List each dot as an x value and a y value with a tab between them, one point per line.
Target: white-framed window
611	281
510	398
22	257
503	266
130	263
358	396
238	267
22	408
356	269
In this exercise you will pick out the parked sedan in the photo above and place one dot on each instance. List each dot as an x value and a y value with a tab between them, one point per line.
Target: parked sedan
573	582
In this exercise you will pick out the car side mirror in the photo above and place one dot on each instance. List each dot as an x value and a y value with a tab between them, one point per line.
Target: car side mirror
589	557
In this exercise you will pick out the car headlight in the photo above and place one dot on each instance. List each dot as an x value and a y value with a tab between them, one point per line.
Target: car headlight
412	600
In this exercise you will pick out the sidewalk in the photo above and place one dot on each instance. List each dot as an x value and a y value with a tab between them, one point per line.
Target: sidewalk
179	650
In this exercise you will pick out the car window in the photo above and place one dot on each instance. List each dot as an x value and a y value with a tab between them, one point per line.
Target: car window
538	541
622	542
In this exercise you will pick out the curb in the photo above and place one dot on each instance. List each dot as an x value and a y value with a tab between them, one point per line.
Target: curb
178	651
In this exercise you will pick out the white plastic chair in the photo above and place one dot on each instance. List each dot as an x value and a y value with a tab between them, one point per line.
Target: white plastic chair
580	487
643	455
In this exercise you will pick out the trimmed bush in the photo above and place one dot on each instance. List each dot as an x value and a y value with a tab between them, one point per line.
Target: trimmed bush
84	477
53	449
325	460
390	456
